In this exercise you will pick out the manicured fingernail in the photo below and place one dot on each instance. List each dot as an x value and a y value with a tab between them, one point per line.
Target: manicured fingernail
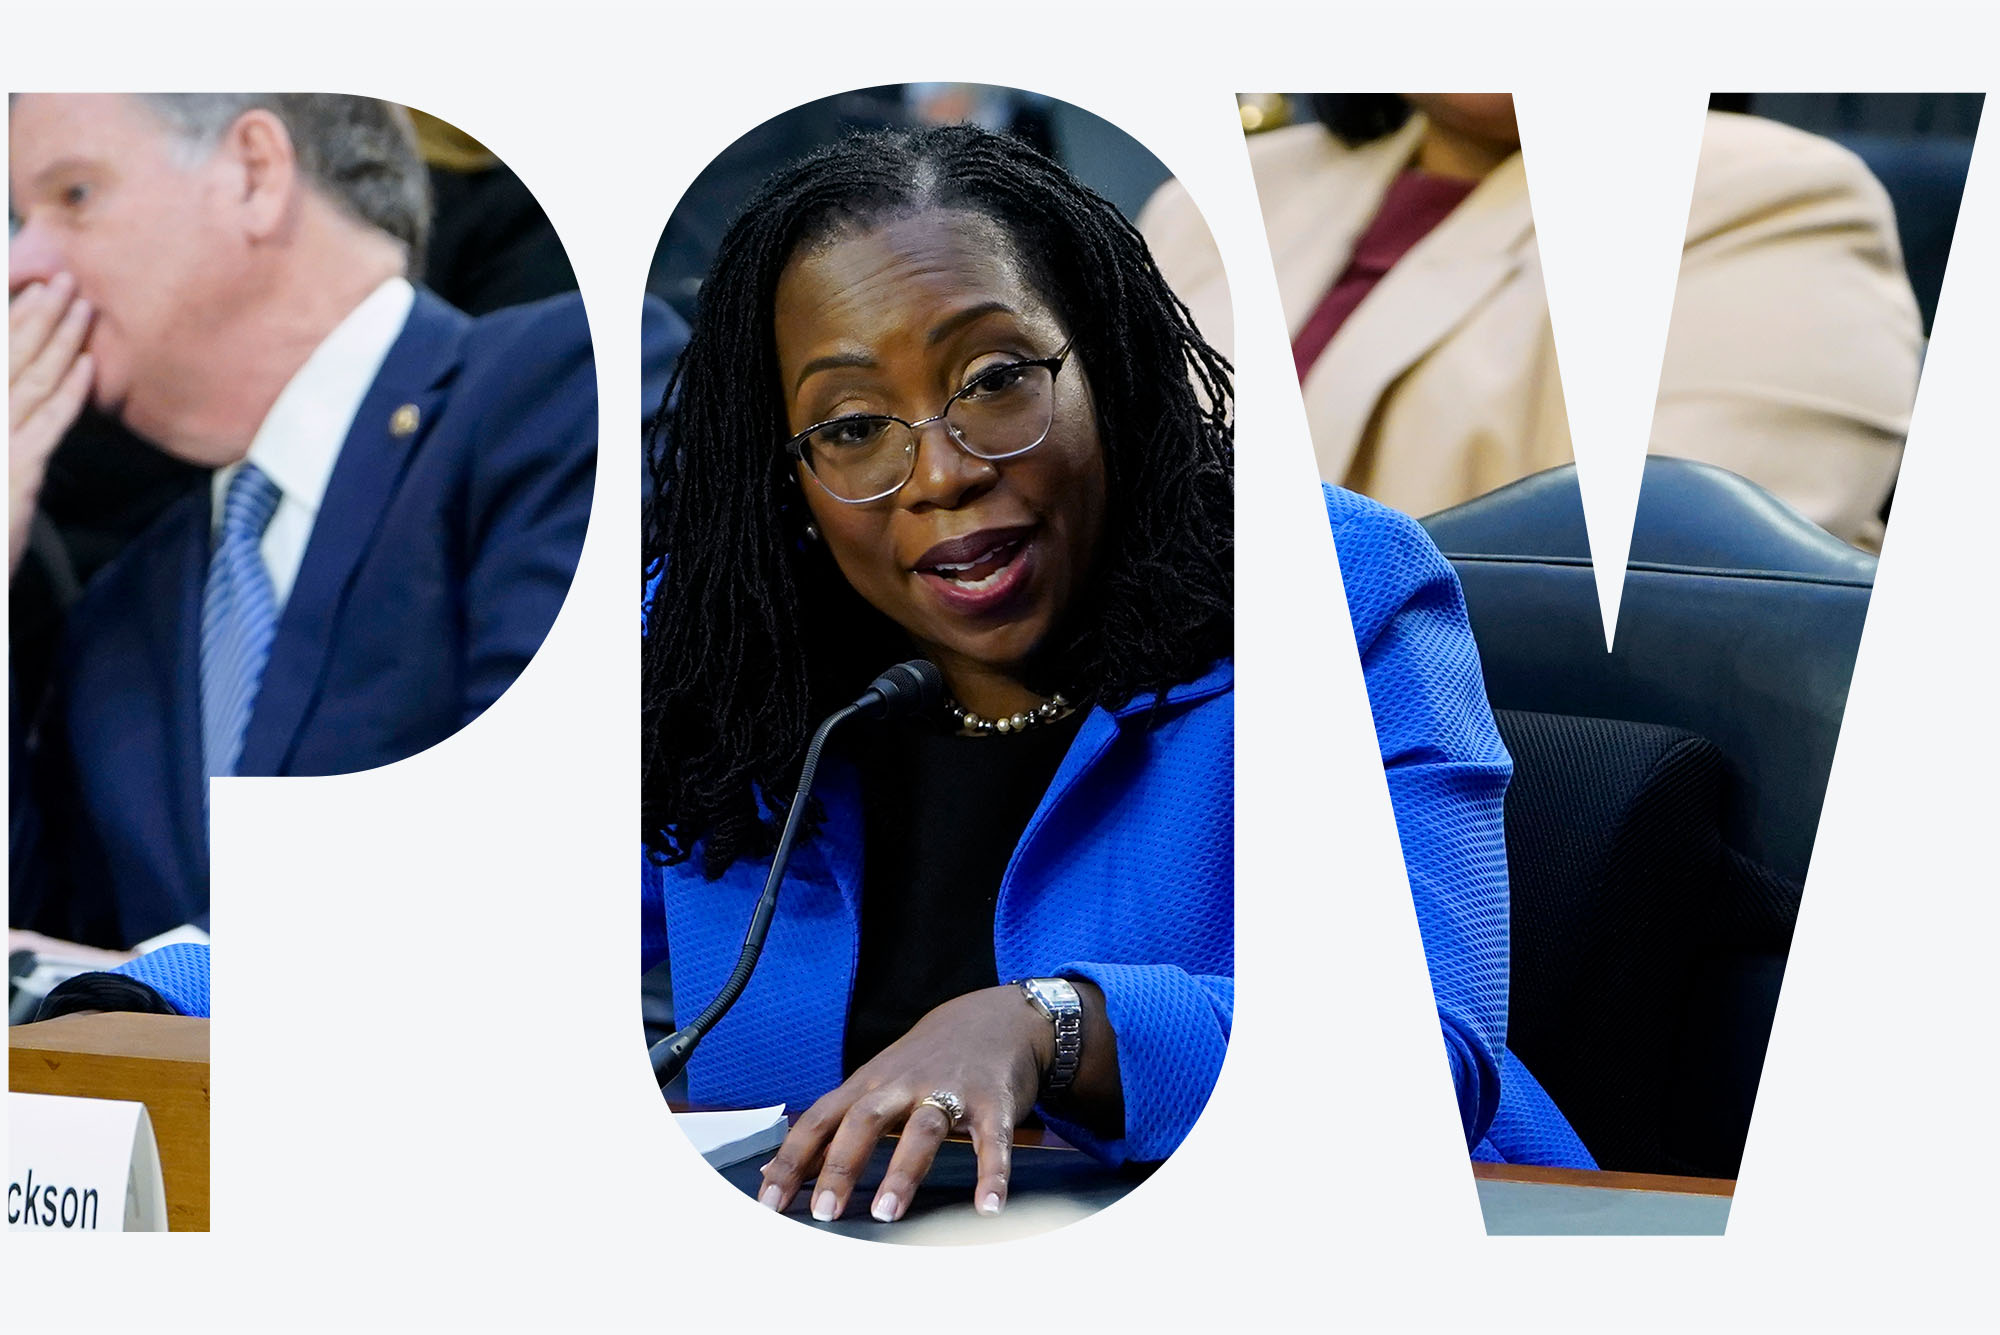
771	1197
766	1168
991	1205
885	1207
824	1207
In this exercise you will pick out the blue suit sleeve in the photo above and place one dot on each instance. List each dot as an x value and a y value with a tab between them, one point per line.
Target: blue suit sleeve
652	914
1173	1032
531	489
1447	773
529	495
178	973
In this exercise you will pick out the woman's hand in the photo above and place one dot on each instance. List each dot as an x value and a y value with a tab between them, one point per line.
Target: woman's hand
48	378
990	1048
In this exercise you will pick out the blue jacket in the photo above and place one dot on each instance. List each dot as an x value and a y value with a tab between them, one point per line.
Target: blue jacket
1125	876
179	973
1448	773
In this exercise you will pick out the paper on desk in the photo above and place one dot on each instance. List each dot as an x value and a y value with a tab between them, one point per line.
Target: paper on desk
726	1138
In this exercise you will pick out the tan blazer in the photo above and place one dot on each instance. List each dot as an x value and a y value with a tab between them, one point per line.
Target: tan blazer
1791	358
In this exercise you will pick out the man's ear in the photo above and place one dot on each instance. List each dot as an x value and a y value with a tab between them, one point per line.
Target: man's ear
261	149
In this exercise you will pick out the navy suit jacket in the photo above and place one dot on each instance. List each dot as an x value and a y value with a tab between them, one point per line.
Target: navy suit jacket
436	566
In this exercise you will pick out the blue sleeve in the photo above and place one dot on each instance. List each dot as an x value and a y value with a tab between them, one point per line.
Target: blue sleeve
652	913
1447	772
179	973
530	490
1529	1128
1173	1032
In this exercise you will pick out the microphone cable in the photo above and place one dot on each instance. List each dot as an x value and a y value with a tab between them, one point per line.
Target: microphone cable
903	690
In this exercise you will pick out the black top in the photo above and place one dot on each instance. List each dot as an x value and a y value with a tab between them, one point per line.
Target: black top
941	815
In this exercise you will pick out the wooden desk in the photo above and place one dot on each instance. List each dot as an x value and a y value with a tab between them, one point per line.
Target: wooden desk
1519	1199
158	1060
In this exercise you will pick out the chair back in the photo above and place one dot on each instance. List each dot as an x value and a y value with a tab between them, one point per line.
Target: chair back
1666	794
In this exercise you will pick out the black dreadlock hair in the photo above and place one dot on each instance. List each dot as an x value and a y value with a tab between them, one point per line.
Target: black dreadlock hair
752	635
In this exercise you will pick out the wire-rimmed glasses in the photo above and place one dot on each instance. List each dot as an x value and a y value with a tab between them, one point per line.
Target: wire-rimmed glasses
1003	411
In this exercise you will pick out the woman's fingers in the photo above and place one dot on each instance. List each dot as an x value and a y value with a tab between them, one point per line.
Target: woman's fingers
831	1145
797	1160
993	1139
847	1155
922	1134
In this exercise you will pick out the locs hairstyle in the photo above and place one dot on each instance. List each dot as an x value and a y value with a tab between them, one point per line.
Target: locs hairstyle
751	633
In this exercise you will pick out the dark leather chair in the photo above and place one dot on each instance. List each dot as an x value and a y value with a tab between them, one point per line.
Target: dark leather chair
1670	789
1925	178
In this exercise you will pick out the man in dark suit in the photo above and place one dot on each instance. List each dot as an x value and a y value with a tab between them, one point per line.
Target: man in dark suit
400	496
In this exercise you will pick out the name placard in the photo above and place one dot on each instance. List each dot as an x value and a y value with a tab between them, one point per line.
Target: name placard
82	1166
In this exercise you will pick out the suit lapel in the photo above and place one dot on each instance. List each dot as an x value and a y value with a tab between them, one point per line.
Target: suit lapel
1426	295
372	461
1316	211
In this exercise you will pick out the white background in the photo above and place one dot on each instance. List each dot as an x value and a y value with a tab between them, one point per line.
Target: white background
431	1103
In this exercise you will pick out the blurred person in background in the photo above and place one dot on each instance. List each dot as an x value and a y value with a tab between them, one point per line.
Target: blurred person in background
1406	257
398	498
489	246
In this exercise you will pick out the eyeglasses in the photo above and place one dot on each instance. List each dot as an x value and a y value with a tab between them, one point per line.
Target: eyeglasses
1003	411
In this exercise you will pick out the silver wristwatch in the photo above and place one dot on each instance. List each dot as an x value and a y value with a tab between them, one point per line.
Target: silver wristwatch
1057	999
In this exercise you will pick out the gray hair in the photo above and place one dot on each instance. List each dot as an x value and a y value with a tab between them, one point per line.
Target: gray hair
358	152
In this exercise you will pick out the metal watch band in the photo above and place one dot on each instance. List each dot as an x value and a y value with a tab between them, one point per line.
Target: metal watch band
1057	999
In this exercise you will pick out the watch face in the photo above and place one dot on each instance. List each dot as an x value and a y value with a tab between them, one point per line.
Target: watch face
1053	993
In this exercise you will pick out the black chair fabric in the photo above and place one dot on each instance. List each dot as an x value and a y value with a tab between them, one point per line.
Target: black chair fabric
1736	636
1629	914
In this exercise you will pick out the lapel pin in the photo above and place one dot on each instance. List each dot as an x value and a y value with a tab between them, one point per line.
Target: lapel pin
403	422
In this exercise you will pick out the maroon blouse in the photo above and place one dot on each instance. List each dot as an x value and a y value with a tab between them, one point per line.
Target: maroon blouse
1417	201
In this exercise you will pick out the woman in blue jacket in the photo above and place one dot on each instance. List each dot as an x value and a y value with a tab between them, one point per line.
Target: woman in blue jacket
938	400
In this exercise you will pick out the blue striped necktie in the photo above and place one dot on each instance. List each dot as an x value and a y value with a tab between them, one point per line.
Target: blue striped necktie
239	614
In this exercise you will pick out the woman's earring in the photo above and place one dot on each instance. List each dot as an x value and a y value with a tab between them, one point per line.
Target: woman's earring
812	534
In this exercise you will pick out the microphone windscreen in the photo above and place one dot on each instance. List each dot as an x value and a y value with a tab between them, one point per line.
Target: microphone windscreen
905	690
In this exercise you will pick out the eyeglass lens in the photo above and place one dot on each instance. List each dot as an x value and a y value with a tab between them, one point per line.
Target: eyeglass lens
1005	412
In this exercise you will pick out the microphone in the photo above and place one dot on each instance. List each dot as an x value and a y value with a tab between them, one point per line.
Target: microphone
902	691
915	687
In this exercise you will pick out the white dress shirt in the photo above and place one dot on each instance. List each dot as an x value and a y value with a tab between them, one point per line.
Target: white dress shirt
298	443
302	434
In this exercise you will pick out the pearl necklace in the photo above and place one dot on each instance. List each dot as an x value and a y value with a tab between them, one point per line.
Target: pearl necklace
1047	712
